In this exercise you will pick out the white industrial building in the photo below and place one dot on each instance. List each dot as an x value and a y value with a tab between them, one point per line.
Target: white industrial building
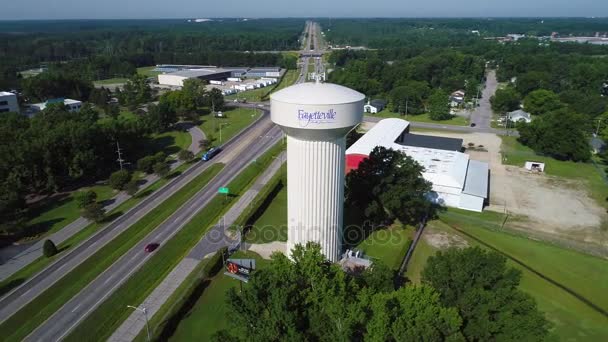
71	105
8	102
457	180
177	78
316	118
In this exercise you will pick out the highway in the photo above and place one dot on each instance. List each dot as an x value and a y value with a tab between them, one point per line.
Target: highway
12	302
75	310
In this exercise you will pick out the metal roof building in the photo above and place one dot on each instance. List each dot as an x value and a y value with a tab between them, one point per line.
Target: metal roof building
457	181
177	78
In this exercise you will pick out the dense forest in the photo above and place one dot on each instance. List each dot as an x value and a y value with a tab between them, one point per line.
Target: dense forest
114	48
385	33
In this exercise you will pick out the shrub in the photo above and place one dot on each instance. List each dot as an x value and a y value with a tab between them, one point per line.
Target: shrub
132	187
119	179
216	262
145	164
94	212
84	198
160	157
185	155
49	249
161	169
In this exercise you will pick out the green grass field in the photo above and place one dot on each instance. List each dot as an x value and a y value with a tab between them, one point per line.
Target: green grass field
271	225
43	306
514	153
455	120
117	80
235	121
572	318
388	245
169	142
148	71
209	313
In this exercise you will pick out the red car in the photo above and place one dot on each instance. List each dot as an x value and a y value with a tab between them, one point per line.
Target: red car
151	247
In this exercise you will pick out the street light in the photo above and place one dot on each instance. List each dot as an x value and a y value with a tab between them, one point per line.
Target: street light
225	123
145	311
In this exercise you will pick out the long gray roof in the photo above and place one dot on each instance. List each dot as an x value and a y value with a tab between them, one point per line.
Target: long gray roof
429	141
476	182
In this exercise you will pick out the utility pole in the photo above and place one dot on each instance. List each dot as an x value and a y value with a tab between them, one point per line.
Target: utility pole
145	312
120	160
597	130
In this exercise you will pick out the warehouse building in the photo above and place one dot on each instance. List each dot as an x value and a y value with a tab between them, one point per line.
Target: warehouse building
457	181
264	72
8	102
71	105
177	78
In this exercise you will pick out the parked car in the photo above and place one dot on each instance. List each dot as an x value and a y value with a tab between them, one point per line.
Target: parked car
151	247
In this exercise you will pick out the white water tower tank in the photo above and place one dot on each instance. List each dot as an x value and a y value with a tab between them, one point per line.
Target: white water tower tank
316	118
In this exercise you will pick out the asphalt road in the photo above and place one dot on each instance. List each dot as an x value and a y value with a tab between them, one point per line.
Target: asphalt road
74	311
482	115
12	302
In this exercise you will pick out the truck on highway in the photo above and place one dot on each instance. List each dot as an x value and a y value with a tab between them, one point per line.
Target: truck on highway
211	153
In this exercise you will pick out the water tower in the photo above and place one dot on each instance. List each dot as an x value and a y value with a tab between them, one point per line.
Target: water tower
316	118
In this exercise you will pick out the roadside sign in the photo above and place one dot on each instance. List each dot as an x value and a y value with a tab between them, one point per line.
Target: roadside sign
240	269
224	190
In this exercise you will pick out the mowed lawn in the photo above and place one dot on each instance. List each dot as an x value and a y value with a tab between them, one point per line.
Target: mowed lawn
455	120
583	274
514	153
235	121
117	80
209	314
272	223
148	71
388	245
169	142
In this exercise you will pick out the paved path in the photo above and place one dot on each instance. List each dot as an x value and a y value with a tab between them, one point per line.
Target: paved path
34	251
482	115
213	240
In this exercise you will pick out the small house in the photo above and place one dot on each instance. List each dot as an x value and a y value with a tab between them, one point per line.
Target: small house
519	116
374	106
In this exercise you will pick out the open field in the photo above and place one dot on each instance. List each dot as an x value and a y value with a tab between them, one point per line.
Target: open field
566	202
455	120
110	314
547	270
43	306
388	245
235	120
168	142
148	71
36	266
209	313
116	80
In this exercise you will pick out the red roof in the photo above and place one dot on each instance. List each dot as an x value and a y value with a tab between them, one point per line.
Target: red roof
353	161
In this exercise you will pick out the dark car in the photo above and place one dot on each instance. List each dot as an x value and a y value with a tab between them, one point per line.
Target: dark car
211	153
151	247
473	124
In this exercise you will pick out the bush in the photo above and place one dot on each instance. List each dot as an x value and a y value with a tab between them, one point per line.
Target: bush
160	157
49	249
216	262
161	169
84	198
145	164
185	155
131	188
119	179
94	212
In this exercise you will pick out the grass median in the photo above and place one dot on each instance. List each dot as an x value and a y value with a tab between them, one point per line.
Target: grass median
104	320
42	307
39	264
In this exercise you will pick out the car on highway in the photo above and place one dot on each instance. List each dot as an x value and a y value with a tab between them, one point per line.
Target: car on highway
151	247
473	124
211	153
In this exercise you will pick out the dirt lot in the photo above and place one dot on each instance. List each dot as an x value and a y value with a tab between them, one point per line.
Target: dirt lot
443	240
552	205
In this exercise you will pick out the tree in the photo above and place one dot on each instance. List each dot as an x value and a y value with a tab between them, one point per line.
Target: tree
185	155
531	81
541	101
215	100
505	100
388	185
160	117
485	293
412	313
84	198
94	212
439	106
409	97
136	91
161	169
559	134
49	249
119	179
146	164
131	188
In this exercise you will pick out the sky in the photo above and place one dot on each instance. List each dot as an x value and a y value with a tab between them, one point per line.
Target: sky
152	9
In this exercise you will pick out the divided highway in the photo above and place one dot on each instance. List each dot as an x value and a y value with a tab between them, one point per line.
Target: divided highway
22	295
64	320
